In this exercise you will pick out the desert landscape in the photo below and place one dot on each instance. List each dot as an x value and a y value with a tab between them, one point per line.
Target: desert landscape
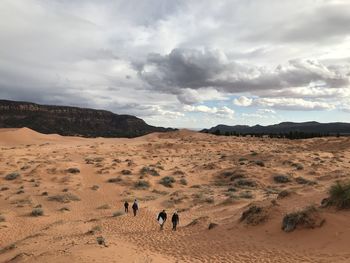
61	198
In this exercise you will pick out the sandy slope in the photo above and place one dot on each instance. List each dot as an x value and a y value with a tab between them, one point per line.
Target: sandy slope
65	236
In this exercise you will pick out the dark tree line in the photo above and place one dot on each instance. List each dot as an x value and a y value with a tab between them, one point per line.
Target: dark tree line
292	135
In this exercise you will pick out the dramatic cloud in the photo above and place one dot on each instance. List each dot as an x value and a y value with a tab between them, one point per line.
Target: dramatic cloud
180	63
224	111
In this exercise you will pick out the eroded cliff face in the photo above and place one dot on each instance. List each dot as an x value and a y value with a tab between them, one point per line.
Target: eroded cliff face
72	120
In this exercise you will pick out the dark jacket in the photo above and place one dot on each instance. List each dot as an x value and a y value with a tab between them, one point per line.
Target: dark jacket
126	204
135	206
162	215
175	218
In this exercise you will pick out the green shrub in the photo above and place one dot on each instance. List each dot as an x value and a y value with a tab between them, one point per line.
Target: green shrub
148	170
37	212
167	181
183	181
114	180
12	176
245	183
340	195
141	184
282	179
64	198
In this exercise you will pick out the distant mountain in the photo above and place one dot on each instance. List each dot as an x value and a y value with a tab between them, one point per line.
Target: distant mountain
285	127
72	121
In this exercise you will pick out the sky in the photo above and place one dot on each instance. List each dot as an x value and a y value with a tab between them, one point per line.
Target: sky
181	63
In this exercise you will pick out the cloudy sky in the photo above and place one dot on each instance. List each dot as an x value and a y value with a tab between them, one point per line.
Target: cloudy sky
181	63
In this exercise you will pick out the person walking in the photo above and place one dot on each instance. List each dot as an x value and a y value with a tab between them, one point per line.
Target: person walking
175	220
162	218
135	207
126	207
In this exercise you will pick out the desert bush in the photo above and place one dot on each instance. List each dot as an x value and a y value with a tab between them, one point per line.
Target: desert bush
196	186
101	241
245	183
282	179
246	195
63	209
95	187
148	170
298	166
306	218
260	163
45	193
302	180
242	159
94	230
254	215
12	176
167	181
64	198
105	206
141	184
126	172
339	195
4	188
118	213
232	189
178	172
183	181
230	200
2	218
37	212
114	180
73	170
283	194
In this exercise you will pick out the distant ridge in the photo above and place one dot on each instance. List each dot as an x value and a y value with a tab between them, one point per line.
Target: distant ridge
332	128
72	121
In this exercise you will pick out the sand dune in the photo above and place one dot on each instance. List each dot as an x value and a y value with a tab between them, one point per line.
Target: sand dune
80	185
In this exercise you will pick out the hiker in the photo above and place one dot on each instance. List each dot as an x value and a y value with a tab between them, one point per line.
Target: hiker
135	207
175	220
126	206
161	219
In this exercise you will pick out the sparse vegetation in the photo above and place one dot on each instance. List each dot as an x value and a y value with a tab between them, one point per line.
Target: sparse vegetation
245	183
260	163
114	180
73	170
37	212
118	213
167	181
105	206
149	170
2	218
302	180
339	195
183	181
12	176
306	218
141	184
101	241
254	215
284	193
95	187
281	179
246	195
64	198
126	172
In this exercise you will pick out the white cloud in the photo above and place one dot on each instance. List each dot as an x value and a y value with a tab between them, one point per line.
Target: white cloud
293	104
243	101
224	111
